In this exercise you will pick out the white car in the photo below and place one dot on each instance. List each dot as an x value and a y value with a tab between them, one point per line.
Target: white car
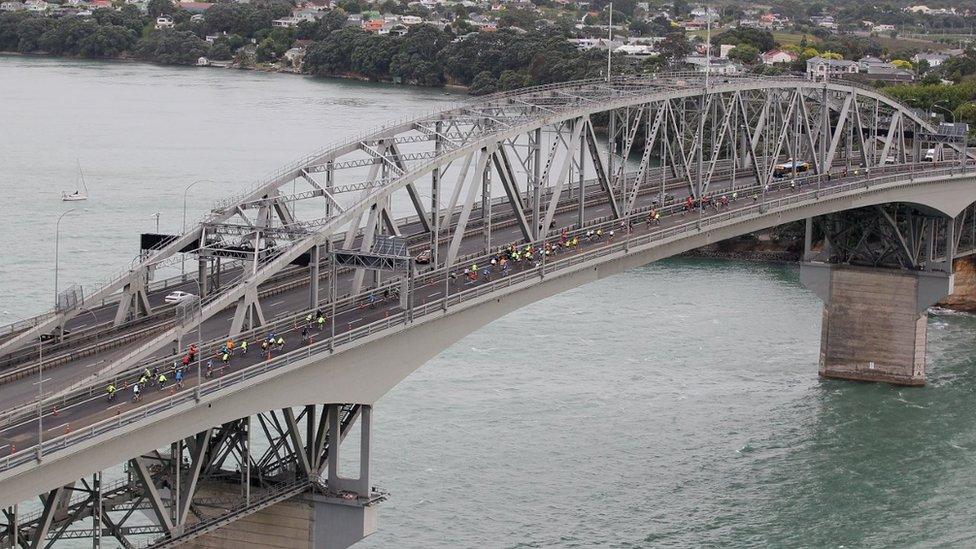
178	296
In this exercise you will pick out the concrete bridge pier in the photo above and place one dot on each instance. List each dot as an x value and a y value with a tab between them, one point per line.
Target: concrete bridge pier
309	521
874	320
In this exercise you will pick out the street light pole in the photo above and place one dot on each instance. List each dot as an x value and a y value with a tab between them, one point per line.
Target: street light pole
40	394
962	149
57	249
185	191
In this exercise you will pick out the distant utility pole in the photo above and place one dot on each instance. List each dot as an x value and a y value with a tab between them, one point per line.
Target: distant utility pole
708	45
609	41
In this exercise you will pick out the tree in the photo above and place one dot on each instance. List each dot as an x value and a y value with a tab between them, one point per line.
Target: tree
759	39
523	19
902	64
966	113
220	51
319	30
156	8
512	80
679	8
107	41
350	6
922	66
63	37
172	47
29	32
639	28
745	54
673	48
9	23
483	84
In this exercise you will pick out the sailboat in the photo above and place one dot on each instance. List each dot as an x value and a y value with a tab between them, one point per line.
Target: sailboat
77	195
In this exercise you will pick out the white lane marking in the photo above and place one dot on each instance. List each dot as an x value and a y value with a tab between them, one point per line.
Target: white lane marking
279	302
41	381
78	327
95	363
433	294
116	406
4	446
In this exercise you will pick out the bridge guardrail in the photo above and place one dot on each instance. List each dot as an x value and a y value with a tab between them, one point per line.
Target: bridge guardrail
888	174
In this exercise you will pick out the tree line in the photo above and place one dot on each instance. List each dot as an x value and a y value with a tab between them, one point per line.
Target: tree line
130	33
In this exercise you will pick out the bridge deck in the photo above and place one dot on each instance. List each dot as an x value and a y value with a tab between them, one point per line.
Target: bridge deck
90	407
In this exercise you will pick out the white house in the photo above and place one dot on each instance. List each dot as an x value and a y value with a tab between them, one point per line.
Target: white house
920	8
164	22
286	22
637	50
773	57
713	65
882	28
825	21
411	20
818	67
933	59
12	6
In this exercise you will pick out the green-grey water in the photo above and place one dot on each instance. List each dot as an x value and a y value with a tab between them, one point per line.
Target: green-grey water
676	405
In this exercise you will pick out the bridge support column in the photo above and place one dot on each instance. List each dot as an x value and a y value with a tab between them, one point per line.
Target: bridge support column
203	276
874	320
314	265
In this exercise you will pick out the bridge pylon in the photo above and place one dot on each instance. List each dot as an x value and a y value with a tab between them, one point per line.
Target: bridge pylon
878	271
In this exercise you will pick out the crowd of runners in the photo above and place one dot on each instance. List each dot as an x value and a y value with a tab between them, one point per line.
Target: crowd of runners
513	258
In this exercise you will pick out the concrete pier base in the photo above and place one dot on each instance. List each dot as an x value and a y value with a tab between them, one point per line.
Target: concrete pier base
311	521
874	320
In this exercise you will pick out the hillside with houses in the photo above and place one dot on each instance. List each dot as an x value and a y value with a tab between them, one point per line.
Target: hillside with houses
491	45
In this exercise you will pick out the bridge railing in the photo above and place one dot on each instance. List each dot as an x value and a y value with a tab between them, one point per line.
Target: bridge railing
823	189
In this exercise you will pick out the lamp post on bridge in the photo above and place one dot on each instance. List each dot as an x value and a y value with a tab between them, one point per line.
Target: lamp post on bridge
40	341
962	148
57	251
40	401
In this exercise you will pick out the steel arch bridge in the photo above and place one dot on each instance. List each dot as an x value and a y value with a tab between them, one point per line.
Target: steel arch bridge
533	144
518	168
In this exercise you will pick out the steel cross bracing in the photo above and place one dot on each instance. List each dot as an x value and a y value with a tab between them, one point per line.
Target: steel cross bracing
901	236
518	156
198	484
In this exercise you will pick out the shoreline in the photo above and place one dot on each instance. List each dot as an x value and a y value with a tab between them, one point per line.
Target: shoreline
229	65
